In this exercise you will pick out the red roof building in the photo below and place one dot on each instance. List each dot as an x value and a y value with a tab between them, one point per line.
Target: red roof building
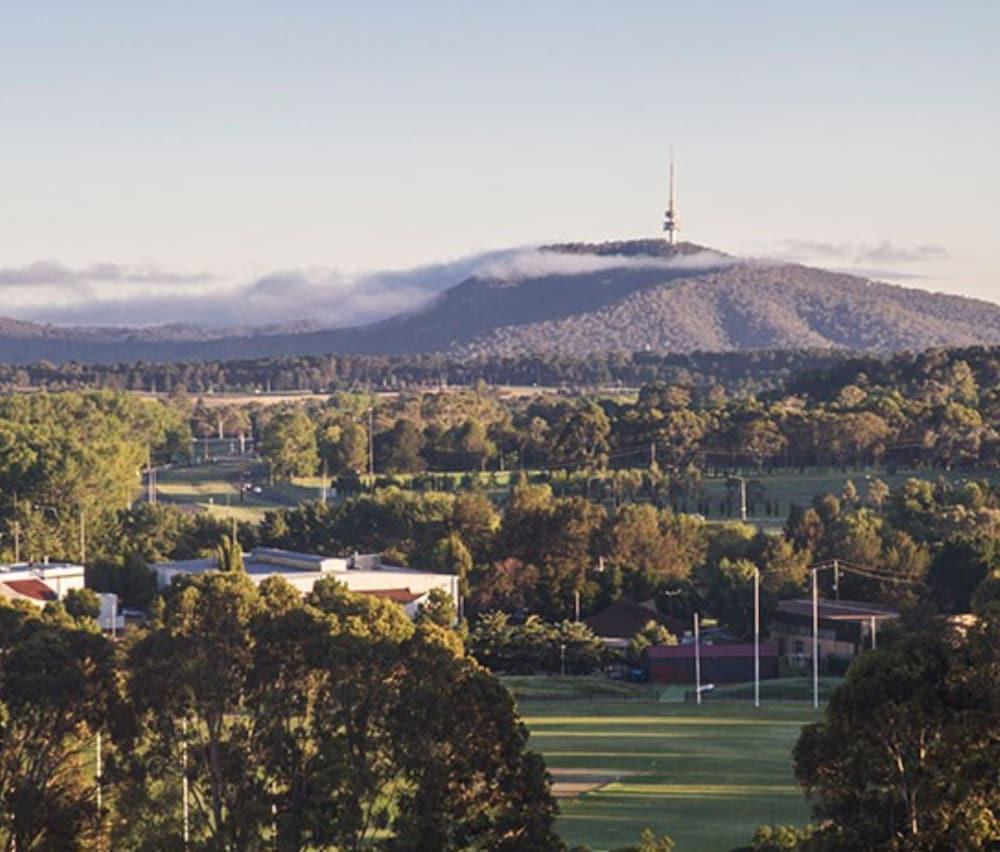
719	663
33	589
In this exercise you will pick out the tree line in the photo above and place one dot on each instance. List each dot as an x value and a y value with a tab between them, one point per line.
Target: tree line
941	412
251	719
750	371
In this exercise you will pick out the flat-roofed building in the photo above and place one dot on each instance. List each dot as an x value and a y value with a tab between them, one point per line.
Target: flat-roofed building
845	627
361	573
39	583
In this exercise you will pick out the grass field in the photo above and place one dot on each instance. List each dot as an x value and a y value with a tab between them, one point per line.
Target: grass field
707	776
215	487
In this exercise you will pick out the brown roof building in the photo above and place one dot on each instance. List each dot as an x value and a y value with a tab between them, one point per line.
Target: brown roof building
845	627
621	620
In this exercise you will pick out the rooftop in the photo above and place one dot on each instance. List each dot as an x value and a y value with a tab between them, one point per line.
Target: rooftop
686	652
34	589
838	610
623	618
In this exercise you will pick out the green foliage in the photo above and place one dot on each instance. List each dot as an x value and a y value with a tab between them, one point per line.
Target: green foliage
649	842
653	633
781	838
288	444
439	609
534	645
82	604
229	555
333	720
906	756
57	689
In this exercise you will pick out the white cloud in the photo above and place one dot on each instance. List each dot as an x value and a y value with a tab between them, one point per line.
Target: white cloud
538	263
321	296
49	273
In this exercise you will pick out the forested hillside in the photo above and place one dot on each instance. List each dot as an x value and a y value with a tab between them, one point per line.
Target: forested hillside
578	300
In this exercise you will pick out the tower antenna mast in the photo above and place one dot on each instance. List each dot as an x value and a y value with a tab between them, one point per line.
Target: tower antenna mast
670	221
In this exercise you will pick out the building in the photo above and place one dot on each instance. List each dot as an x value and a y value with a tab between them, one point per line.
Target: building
719	663
845	628
618	622
364	574
39	583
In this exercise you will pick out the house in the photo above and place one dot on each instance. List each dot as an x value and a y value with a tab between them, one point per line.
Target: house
618	622
845	628
39	583
364	574
719	663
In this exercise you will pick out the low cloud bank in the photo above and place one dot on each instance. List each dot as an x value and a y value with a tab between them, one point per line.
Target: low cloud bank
862	254
537	264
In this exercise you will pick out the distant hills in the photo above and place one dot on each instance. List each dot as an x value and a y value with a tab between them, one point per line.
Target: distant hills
575	299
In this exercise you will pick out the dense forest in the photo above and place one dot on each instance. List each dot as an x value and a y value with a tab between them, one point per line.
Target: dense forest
938	410
322	374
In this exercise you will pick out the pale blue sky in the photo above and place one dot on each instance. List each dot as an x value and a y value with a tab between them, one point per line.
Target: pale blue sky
239	139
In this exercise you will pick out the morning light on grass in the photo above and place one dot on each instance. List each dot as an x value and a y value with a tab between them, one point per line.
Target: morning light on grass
706	776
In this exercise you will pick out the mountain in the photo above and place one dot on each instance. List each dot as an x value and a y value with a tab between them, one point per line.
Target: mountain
578	298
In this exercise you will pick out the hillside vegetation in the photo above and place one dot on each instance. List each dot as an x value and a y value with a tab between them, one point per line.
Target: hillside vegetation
577	300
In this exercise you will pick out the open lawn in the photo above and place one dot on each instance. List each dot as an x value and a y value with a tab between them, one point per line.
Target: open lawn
707	776
215	487
797	487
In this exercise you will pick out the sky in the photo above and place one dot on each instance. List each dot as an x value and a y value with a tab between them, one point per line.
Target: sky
221	162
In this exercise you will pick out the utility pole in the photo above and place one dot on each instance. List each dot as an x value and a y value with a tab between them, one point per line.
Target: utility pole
697	661
371	443
98	772
836	580
83	538
184	786
576	605
756	637
815	603
874	629
743	499
17	542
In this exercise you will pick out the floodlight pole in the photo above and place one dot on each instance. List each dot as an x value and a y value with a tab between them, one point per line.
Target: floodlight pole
697	661
815	608
184	786
98	772
756	637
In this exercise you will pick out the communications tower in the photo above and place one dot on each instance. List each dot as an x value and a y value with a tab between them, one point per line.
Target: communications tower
671	224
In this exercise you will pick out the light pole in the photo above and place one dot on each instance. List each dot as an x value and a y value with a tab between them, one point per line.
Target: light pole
562	658
815	614
697	662
756	637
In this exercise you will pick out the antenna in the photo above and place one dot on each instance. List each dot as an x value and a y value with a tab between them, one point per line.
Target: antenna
670	221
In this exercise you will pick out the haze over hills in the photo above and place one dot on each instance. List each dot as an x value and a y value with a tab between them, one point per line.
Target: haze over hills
575	299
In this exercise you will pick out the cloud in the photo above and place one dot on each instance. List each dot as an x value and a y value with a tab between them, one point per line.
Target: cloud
48	273
321	296
536	264
861	254
886	252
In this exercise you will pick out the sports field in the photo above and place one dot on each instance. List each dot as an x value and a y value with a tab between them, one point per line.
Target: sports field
707	776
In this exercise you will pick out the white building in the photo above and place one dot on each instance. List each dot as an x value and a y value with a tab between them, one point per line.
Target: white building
39	583
365	574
